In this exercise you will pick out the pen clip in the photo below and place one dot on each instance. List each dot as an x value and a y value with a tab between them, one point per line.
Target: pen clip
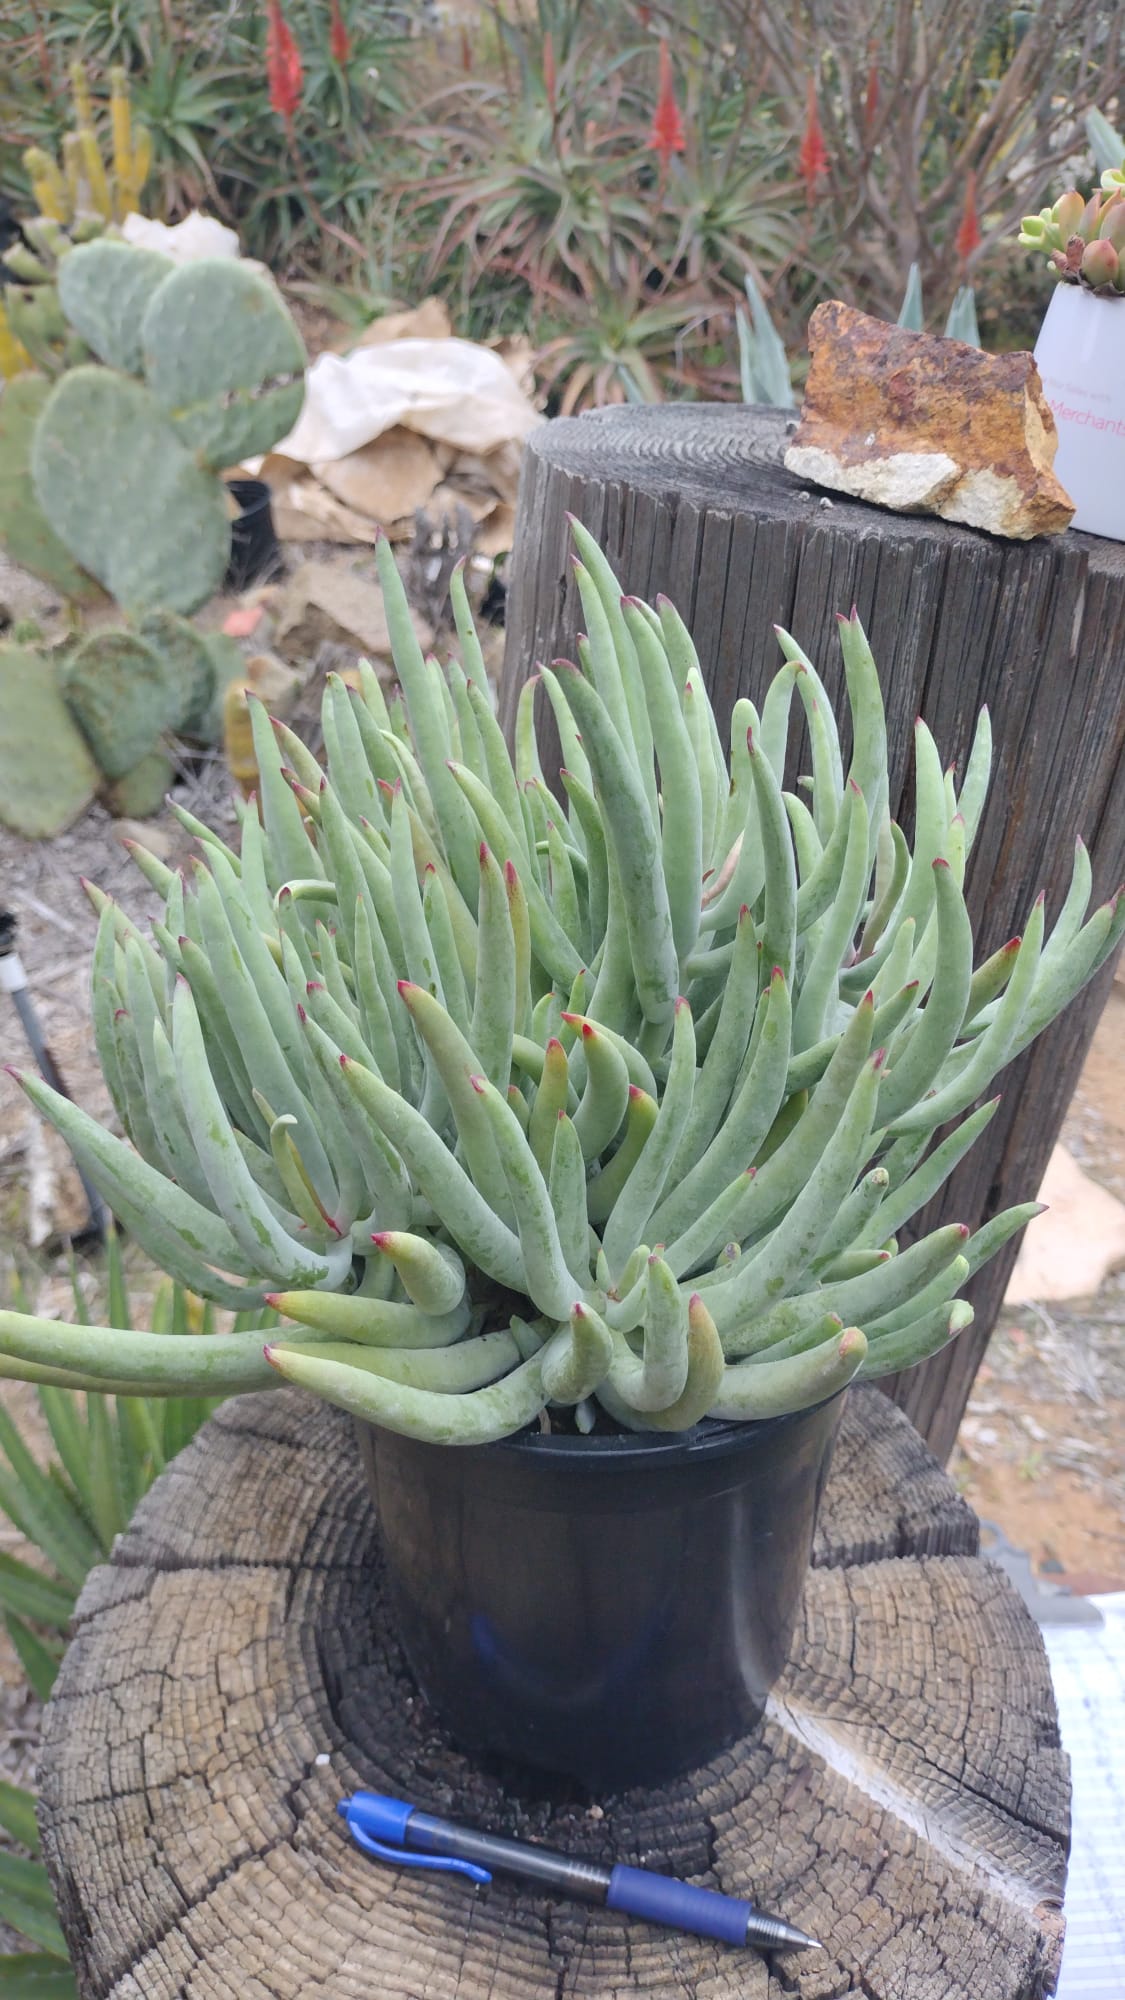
403	1857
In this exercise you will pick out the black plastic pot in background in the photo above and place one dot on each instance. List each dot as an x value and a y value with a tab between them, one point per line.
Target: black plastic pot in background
615	1608
254	549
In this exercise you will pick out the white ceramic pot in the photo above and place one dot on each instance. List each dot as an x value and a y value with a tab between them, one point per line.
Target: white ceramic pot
1080	354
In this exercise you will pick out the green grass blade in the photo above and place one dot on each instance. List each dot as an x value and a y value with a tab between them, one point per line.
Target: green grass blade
30	1594
39	1660
33	1501
27	1905
63	1412
17	1815
35	1975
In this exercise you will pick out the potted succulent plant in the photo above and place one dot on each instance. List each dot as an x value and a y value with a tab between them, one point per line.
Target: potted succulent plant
1081	346
577	1139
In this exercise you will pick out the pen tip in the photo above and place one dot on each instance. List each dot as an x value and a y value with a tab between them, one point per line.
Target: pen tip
773	1934
799	1941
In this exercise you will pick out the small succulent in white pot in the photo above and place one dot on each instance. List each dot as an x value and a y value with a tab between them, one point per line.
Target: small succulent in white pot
1080	351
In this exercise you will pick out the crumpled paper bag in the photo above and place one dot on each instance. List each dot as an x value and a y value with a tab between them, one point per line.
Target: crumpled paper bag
451	390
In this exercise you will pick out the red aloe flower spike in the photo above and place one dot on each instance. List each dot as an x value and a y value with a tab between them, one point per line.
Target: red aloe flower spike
284	70
550	80
667	132
812	160
968	235
339	40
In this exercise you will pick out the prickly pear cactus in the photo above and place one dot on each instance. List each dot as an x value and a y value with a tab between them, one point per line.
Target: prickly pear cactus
25	532
224	359
130	502
188	664
104	288
47	775
142	790
119	693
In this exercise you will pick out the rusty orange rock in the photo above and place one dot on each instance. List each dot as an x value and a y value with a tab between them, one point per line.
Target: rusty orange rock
928	426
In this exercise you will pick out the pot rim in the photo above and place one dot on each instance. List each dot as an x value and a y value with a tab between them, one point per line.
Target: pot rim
712	1439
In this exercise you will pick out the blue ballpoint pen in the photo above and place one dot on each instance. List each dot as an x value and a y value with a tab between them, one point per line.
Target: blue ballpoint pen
391	1830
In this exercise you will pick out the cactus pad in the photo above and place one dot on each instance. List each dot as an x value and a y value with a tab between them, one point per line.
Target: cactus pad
25	532
187	662
47	775
119	693
104	288
142	790
129	501
38	322
228	663
224	360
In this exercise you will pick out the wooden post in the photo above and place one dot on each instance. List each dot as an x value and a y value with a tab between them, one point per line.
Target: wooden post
693	500
234	1673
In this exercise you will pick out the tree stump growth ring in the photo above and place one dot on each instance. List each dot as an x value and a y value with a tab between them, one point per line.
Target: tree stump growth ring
234	1672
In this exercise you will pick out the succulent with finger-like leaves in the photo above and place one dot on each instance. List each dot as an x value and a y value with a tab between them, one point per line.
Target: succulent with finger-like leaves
612	1100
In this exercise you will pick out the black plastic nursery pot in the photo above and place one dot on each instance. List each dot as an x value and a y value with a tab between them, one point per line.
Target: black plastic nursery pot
254	548
614	1608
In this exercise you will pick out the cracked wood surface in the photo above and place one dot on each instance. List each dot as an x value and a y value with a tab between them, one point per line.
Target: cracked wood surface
693	500
234	1672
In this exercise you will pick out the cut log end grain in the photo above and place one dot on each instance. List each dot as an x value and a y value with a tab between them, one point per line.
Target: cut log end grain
234	1672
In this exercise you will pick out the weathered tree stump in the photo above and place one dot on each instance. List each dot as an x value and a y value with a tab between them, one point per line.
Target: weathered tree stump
234	1672
694	501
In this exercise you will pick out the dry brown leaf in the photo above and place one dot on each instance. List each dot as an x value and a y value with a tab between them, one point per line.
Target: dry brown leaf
306	511
326	600
517	352
450	498
496	535
428	321
386	479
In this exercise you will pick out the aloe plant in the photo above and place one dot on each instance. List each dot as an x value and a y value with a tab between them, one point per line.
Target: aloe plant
619	1096
104	1457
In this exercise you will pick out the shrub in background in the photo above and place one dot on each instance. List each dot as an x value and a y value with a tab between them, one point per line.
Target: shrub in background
605	178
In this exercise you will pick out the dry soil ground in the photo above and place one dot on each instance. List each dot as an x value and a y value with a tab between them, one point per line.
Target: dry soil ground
1042	1445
